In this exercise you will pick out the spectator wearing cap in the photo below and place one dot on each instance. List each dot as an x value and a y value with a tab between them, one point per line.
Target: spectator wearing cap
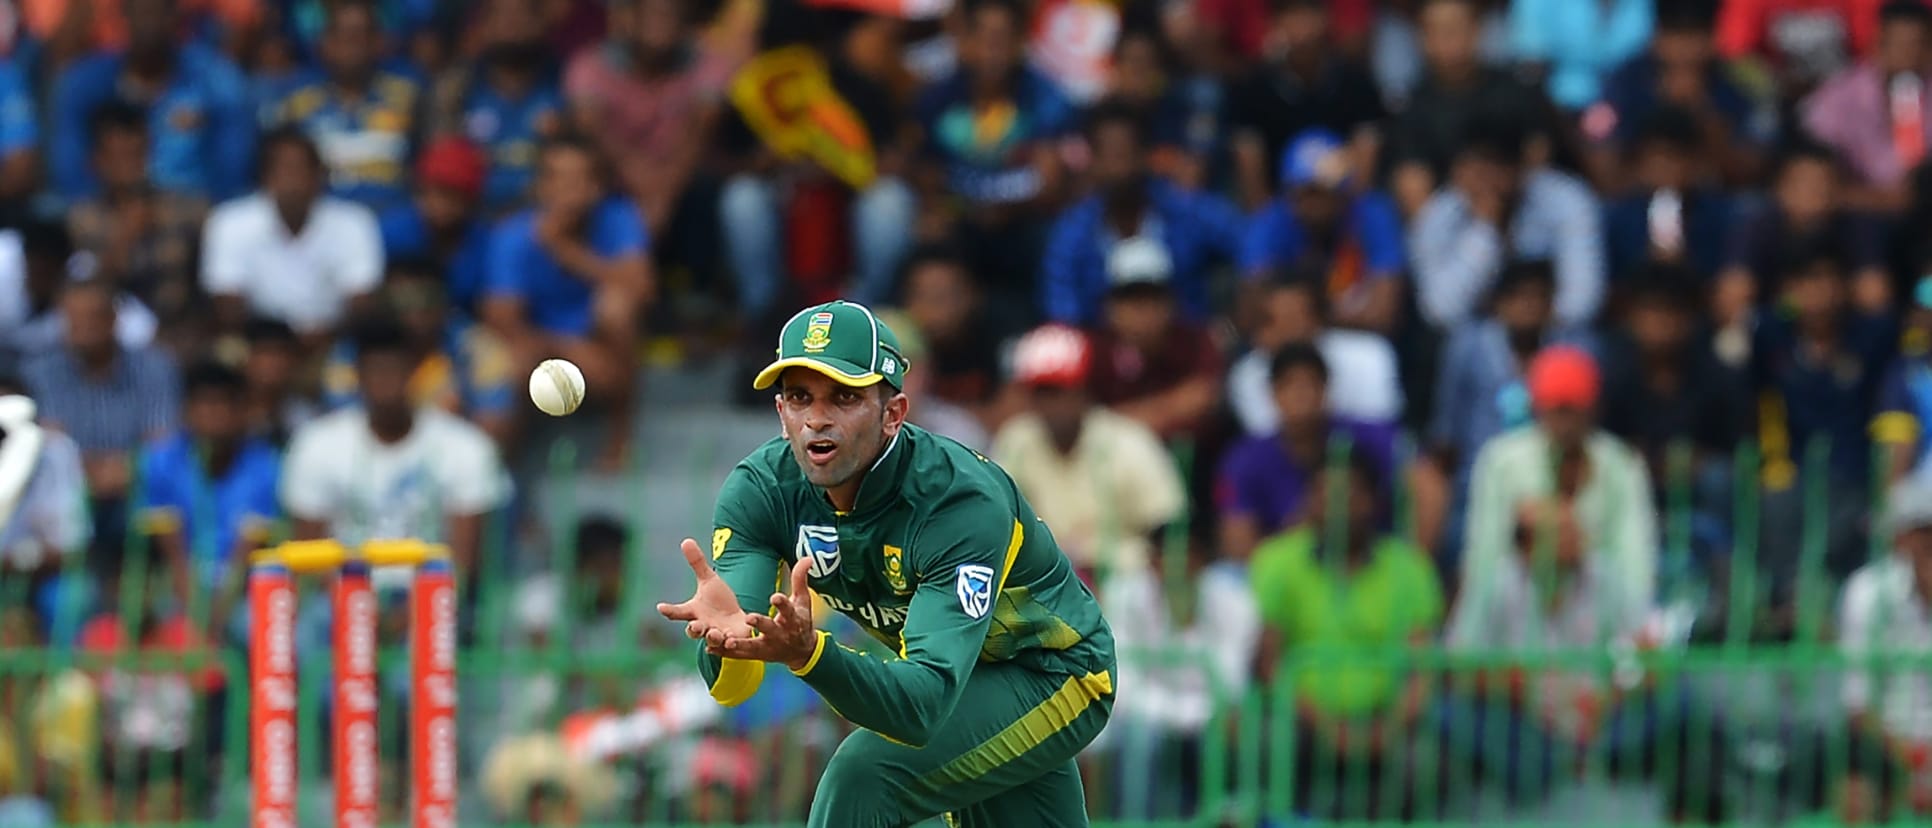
201	126
207	493
1310	84
570	278
1197	230
1575	46
361	116
1149	363
1364	383
1877	114
934	413
1885	611
506	100
1674	215
1905	395
1816	366
1479	383
1103	481
1352	235
1264	482
1495	209
1457	88
1681	71
140	238
1564	457
445	223
291	251
1806	211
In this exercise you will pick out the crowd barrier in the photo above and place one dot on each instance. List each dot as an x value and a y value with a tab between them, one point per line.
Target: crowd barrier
125	719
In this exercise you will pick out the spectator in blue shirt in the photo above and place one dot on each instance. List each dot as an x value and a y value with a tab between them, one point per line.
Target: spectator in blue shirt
207	492
361	116
506	101
1197	229
19	132
1321	220
200	124
570	277
1579	42
1674	216
442	223
990	130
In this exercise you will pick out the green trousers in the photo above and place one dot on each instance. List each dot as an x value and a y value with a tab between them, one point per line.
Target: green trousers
1004	758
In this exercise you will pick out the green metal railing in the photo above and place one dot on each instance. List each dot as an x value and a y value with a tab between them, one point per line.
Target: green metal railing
64	714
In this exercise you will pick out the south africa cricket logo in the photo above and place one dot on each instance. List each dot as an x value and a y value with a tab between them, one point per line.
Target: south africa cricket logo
818	333
895	568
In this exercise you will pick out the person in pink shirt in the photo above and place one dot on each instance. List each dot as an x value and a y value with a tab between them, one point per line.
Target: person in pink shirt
1875	115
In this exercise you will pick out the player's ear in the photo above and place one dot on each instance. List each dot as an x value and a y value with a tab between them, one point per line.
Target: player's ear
897	405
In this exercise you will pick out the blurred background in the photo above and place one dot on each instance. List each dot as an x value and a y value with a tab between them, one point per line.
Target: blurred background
1468	411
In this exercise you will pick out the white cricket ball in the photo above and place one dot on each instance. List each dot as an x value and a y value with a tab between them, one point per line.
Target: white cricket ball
557	387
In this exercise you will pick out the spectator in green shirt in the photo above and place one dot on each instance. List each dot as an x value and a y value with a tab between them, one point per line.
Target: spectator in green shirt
1336	592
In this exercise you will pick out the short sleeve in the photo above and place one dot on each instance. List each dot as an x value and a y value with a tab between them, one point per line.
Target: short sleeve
1379	231
160	508
474	478
624	232
224	245
19	126
1897	422
503	273
308	489
361	254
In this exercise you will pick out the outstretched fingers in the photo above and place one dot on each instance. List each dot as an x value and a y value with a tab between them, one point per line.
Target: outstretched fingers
694	557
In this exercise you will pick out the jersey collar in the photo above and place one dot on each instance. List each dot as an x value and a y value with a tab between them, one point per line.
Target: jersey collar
882	481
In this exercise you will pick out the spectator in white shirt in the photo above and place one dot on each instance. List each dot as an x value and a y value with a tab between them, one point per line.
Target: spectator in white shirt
289	251
43	505
388	469
1363	386
1886	612
1100	480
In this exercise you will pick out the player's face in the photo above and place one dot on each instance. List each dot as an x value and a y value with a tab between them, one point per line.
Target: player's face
836	431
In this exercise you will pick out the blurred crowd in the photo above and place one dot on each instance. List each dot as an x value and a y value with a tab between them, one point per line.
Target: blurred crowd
1475	326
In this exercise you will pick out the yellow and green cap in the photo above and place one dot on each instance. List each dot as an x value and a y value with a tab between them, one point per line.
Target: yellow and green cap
842	340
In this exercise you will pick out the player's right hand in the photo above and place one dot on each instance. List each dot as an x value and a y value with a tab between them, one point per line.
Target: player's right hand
712	613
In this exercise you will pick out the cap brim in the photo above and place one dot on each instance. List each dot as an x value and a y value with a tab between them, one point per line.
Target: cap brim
840	371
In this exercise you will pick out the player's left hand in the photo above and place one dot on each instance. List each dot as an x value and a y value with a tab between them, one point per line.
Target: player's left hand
787	636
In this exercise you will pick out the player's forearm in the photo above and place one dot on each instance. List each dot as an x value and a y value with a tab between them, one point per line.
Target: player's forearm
899	699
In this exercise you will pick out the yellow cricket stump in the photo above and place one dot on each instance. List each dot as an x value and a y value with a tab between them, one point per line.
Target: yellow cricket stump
313	556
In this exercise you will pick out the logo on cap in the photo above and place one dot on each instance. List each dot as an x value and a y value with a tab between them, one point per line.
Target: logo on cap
818	333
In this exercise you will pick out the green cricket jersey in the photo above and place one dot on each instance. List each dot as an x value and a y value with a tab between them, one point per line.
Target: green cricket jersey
940	558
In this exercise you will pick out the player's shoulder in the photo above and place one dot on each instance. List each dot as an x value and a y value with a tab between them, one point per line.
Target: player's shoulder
950	481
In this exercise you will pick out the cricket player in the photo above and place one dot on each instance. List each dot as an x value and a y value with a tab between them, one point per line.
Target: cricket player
1004	667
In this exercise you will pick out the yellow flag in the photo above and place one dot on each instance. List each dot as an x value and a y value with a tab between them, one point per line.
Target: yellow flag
786	96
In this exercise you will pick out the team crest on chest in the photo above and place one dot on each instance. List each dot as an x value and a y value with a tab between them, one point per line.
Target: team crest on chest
820	545
895	568
975	589
818	333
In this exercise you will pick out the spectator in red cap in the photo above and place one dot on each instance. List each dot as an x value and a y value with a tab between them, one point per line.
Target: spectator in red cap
1101	480
1563	454
441	223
